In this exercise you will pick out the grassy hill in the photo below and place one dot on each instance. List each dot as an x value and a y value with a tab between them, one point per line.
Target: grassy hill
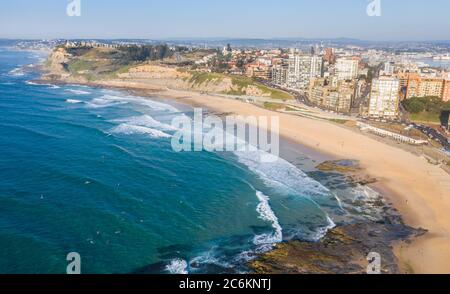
240	84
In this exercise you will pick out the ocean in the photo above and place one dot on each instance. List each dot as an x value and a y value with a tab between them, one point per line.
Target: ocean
92	171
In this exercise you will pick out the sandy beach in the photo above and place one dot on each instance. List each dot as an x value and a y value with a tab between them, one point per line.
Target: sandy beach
417	189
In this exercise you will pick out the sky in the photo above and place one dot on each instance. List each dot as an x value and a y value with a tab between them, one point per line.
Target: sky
400	20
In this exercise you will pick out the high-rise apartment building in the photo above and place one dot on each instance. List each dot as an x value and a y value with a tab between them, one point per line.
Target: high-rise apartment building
384	98
347	68
329	55
302	68
389	68
446	91
279	74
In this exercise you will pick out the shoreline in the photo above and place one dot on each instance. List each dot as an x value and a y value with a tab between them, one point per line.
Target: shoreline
414	187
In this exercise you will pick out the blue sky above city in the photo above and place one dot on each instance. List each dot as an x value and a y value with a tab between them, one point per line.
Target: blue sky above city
401	20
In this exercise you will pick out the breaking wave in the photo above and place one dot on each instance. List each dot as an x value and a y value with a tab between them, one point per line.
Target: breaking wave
129	129
78	92
17	72
159	106
266	214
103	103
146	121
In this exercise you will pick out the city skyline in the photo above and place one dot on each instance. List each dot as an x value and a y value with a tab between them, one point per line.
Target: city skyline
399	20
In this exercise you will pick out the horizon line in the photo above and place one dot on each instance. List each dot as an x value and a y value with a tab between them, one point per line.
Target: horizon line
227	38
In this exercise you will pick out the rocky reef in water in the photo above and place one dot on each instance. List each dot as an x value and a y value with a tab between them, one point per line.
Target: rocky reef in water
344	249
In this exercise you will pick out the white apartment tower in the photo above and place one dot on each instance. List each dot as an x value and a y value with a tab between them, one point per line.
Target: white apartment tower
279	74
384	98
346	68
302	68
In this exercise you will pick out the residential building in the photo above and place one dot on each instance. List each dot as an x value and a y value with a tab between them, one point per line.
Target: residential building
384	98
279	74
329	55
257	70
326	95
302	69
347	68
446	91
424	87
389	68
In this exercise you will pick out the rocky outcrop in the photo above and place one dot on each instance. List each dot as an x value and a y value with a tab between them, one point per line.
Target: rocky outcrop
351	169
55	63
344	250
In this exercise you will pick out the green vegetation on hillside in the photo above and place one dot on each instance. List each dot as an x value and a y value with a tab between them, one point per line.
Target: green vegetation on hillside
426	109
200	78
95	63
241	83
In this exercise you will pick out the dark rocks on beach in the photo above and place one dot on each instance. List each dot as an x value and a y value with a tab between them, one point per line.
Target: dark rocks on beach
343	250
350	168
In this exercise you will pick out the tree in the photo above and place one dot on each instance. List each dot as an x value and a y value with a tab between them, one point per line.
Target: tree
415	106
429	104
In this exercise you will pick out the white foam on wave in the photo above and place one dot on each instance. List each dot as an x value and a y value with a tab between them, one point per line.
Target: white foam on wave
282	173
321	232
73	101
146	121
365	201
266	214
51	86
78	92
284	176
155	105
129	129
177	267
103	103
17	72
209	257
